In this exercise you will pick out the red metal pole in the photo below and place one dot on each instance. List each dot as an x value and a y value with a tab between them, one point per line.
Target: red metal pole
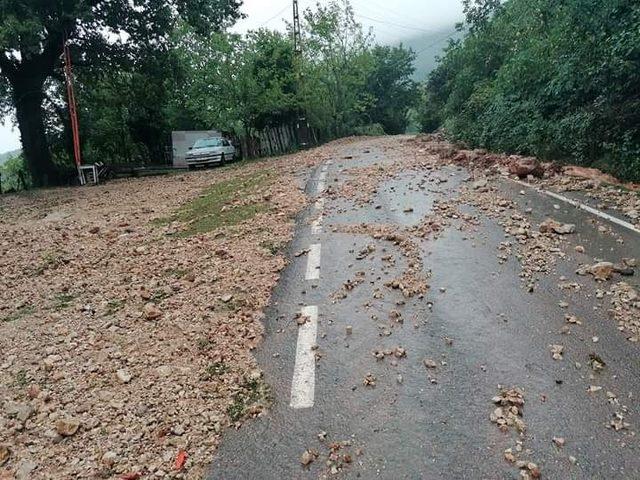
71	98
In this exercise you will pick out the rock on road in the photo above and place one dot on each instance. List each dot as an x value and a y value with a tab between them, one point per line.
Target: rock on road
373	375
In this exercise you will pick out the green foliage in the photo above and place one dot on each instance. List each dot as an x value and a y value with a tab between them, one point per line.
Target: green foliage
32	34
182	69
15	176
390	85
555	79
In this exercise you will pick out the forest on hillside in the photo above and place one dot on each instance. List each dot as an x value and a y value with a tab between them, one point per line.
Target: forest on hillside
555	79
143	72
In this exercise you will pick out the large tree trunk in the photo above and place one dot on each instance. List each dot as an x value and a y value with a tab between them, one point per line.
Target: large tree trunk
28	96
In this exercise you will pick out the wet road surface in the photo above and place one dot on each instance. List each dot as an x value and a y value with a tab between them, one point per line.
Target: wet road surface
477	321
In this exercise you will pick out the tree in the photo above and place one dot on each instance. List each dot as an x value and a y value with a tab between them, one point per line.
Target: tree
554	79
236	83
337	62
390	84
32	34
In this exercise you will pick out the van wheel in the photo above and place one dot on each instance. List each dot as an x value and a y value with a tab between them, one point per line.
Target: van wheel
222	159
192	167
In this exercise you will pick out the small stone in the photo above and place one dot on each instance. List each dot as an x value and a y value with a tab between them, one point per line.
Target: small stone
349	329
559	441
21	411
109	459
151	312
67	427
429	363
164	370
124	376
94	230
226	298
579	249
5	453
23	472
307	457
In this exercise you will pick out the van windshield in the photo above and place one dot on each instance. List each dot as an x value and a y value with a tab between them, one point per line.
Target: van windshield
208	143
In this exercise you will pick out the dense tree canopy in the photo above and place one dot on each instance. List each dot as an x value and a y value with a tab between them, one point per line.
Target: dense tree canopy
559	79
32	33
144	71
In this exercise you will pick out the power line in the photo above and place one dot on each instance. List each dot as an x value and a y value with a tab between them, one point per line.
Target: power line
399	25
286	7
386	13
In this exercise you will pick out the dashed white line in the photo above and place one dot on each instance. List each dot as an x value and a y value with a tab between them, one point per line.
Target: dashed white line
303	384
581	206
313	262
316	226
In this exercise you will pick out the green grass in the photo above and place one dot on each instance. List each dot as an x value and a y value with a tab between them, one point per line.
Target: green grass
213	210
49	261
21	379
19	313
215	370
254	392
62	301
114	305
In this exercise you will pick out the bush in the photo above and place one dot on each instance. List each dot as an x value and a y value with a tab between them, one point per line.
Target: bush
15	176
372	130
559	80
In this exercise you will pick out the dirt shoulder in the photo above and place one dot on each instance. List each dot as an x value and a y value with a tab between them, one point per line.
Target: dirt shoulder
129	313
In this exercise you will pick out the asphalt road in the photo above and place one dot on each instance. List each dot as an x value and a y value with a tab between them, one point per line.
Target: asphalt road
417	423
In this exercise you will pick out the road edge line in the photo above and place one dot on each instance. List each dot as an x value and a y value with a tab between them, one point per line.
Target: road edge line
582	206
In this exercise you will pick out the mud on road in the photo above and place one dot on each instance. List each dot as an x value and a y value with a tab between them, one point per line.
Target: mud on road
431	318
464	325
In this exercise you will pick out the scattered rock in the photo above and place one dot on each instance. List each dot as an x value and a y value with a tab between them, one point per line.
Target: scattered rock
124	376
559	441
525	166
109	459
556	351
509	412
552	226
67	427
369	380
226	298
151	311
307	457
5	453
24	470
429	363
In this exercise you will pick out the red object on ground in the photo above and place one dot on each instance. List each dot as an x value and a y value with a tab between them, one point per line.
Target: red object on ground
131	476
181	459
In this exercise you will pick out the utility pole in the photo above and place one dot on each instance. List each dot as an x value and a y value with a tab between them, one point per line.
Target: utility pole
73	112
302	126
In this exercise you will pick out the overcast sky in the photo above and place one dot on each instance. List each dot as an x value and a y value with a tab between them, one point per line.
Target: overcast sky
392	22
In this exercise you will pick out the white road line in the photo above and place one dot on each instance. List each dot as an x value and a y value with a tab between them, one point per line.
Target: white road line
320	204
303	384
313	262
316	226
582	206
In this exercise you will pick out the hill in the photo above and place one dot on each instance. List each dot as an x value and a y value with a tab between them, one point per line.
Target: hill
7	155
428	47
